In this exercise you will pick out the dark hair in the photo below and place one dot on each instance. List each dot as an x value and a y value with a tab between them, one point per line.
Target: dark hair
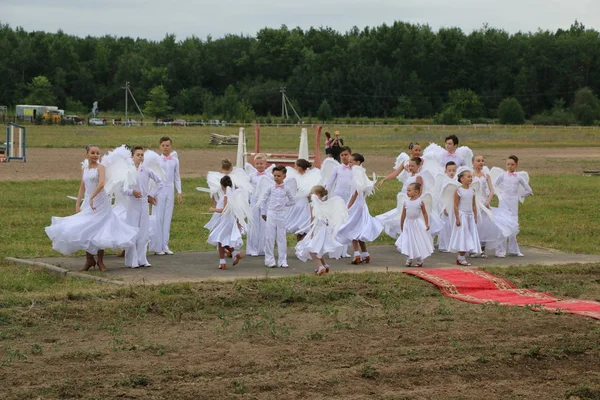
280	168
416	185
304	164
328	135
462	173
417	160
514	158
319	190
226	181
358	157
346	148
449	164
89	146
165	139
413	144
454	139
133	149
226	164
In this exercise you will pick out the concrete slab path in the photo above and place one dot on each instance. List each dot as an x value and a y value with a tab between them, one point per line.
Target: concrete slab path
202	266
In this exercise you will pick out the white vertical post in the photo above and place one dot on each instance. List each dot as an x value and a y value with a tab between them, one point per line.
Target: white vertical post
241	150
303	149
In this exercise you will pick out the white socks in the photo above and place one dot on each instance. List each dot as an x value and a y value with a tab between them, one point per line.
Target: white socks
222	261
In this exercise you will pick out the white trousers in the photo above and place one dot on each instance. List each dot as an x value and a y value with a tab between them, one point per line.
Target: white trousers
511	204
138	216
255	238
163	214
276	231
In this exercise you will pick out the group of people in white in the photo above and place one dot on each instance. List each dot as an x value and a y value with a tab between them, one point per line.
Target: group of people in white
446	193
134	178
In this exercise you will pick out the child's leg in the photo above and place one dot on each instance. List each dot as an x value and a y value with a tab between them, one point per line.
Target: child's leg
319	263
221	251
366	257
89	262
143	236
100	263
357	259
281	240
270	242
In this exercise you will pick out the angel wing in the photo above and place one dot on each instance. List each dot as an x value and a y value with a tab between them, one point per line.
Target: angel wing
466	154
433	167
241	180
85	163
152	162
361	181
120	170
306	182
435	223
249	168
333	211
174	154
290	174
525	176
213	179
237	205
428	182
292	184
401	159
495	172
434	153
447	194
327	169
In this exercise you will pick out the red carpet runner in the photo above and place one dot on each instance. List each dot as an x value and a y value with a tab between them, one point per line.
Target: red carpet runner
475	286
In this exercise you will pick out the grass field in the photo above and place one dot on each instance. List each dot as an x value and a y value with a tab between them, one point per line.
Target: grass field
344	336
375	138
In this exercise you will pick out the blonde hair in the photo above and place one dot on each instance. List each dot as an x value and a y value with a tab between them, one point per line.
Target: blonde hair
226	164
319	191
260	156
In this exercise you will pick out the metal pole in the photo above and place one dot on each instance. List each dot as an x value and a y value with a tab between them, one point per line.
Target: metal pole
126	90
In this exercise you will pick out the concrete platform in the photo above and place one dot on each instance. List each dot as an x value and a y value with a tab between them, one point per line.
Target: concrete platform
202	266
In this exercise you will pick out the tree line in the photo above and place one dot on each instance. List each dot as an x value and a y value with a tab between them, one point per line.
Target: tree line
401	70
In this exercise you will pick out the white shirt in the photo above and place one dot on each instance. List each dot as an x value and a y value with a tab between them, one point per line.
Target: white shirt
341	177
277	198
170	165
510	181
142	184
458	160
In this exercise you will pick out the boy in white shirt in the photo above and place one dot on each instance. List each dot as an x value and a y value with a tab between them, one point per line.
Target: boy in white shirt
255	239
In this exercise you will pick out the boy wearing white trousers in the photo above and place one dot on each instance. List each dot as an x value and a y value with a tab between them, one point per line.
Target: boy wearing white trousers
165	199
274	209
137	212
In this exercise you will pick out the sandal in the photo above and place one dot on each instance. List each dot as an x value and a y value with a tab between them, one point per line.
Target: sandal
483	255
408	263
463	263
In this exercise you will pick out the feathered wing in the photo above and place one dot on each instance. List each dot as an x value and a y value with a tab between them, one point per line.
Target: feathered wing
428	182
495	172
237	205
290	174
120	170
292	184
400	160
361	181
262	186
434	153
466	154
249	168
174	154
85	163
447	194
332	211
306	182
241	180
525	176
213	179
327	170
152	162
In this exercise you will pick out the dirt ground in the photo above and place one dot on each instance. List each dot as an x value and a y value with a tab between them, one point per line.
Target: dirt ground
45	164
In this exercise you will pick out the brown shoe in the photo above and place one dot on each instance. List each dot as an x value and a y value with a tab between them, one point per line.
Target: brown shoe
222	266
367	259
89	262
100	263
237	259
357	260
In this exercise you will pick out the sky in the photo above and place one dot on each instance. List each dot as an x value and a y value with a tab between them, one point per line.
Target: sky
153	19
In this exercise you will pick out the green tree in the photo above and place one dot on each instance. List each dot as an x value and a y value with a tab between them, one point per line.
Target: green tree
450	116
40	92
405	108
324	111
585	106
510	112
157	104
466	102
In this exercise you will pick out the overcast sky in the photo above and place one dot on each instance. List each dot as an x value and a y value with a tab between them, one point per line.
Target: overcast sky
152	19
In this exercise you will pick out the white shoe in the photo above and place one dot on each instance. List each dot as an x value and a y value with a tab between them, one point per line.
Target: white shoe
500	255
168	252
136	266
160	253
519	254
346	255
284	266
146	265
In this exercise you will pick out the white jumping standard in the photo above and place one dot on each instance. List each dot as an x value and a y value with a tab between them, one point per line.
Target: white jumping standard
16	139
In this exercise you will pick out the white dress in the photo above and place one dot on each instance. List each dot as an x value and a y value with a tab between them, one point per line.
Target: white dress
320	241
361	225
465	237
493	224
91	230
414	241
225	228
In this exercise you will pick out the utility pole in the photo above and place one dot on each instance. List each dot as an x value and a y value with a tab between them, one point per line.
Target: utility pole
284	103
127	93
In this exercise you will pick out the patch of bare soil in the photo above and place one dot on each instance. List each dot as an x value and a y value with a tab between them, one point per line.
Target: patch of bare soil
46	164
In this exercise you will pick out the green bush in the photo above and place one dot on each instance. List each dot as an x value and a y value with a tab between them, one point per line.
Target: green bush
510	112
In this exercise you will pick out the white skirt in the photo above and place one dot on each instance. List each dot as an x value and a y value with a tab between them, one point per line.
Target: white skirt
465	237
298	218
226	232
91	230
492	231
415	241
360	226
319	242
391	222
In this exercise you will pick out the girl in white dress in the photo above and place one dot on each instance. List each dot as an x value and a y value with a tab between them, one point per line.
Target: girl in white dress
447	213
327	217
95	226
298	218
464	236
414	241
361	226
226	231
401	166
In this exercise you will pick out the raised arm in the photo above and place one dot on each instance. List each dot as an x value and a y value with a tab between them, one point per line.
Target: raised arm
391	176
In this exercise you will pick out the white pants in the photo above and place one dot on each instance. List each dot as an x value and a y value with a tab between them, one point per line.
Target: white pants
276	231
138	216
255	238
511	204
163	214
